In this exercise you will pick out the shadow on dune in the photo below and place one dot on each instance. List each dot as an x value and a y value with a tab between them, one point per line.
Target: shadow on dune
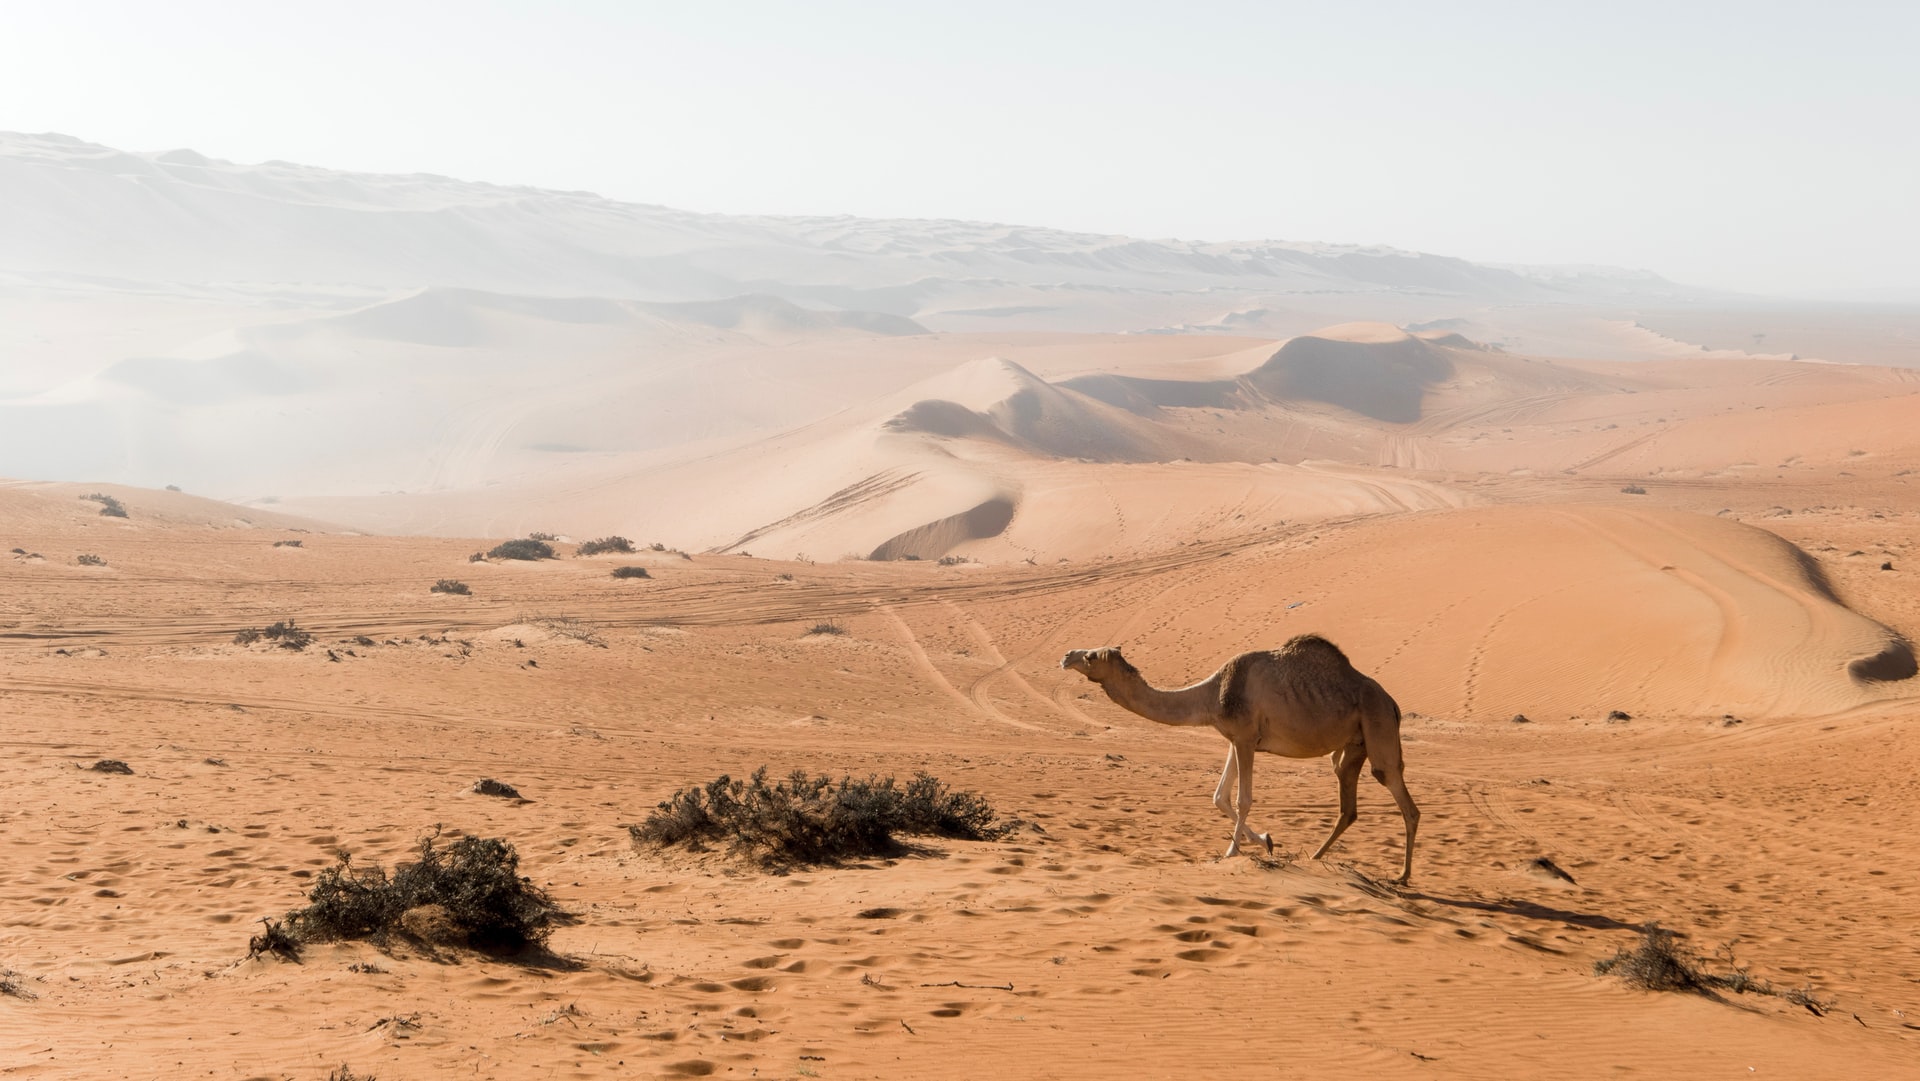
1531	910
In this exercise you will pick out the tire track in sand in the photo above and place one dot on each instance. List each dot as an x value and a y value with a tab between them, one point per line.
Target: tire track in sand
925	664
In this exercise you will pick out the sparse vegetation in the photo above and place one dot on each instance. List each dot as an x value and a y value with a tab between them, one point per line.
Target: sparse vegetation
631	572
111	765
109	506
605	544
953	561
1634	489
825	627
811	820
287	544
284	632
345	1073
474	883
449	585
521	549
477	557
12	985
88	559
567	627
544	538
1660	962
273	939
487	786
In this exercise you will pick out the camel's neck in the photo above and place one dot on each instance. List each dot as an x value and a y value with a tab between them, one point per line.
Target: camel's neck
1195	705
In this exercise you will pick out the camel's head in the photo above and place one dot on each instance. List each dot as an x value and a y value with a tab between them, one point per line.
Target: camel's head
1096	664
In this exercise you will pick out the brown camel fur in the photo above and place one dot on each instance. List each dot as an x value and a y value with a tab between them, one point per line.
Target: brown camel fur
1303	700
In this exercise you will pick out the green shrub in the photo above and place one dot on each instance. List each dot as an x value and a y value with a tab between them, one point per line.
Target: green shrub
521	549
449	585
812	820
631	572
605	544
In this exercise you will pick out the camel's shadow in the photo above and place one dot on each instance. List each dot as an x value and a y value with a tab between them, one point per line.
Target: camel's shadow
1530	910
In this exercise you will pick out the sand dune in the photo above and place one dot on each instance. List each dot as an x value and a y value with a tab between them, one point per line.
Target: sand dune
1649	621
1103	938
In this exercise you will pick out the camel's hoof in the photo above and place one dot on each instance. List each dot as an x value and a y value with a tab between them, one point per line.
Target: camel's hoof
1267	838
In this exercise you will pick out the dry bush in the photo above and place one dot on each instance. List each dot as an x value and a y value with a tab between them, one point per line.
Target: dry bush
567	627
285	632
605	544
1634	489
13	985
111	765
87	559
109	506
825	627
812	820
475	880
529	548
544	537
449	585
1660	962
1657	963
631	572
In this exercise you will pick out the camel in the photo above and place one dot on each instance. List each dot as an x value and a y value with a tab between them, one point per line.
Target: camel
1303	700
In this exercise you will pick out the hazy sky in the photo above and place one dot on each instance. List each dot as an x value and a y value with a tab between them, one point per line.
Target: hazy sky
1756	146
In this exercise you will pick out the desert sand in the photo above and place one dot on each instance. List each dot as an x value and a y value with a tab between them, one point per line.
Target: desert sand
1693	578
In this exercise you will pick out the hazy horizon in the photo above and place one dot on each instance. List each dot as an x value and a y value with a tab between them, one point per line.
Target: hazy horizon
1750	156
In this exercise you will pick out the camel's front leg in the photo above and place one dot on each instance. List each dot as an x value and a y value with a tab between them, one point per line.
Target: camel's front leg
1222	800
1242	757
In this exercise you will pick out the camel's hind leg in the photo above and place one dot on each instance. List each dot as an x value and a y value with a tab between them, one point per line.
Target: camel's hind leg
1383	746
1239	765
1346	766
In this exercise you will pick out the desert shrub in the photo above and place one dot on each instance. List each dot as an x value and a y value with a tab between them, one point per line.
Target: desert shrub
631	572
543	537
288	635
111	765
810	820
1657	963
89	560
13	985
487	786
475	880
449	585
287	543
953	561
567	627
826	626
1634	489
656	546
521	549
173	487
477	557
605	544
285	632
109	506
345	1073
273	939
